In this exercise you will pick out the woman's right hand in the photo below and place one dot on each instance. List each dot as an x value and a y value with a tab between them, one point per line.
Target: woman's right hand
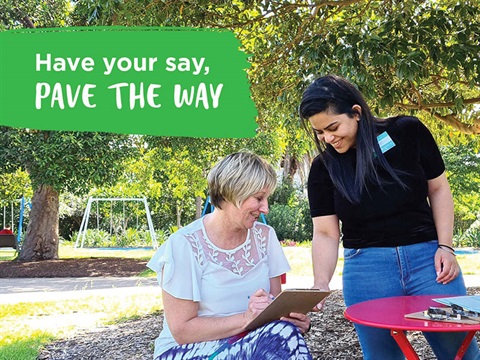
258	301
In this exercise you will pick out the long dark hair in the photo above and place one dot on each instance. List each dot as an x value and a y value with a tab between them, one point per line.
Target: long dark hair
338	95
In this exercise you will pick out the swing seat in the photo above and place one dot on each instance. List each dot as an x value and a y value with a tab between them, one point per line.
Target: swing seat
8	241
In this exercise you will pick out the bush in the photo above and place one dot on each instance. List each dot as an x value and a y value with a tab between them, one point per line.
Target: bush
96	238
291	222
470	238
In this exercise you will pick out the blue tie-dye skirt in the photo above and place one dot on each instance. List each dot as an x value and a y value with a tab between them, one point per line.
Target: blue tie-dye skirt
277	340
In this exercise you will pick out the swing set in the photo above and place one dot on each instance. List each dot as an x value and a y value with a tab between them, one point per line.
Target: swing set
113	226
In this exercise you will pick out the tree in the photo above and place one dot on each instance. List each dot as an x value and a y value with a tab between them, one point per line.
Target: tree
30	13
55	161
182	165
58	161
406	56
410	56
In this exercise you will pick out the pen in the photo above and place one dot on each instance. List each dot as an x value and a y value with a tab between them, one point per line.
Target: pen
228	343
271	297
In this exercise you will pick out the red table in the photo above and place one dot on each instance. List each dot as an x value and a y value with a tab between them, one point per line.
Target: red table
389	313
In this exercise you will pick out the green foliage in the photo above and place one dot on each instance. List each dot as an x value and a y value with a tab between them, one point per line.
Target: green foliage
469	238
291	222
285	193
181	166
406	57
409	57
14	185
71	209
32	13
130	238
289	213
67	161
462	163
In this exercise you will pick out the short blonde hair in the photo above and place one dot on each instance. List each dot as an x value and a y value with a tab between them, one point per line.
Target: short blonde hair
238	176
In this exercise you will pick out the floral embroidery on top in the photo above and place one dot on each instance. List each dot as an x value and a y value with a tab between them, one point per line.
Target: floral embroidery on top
197	250
239	260
261	240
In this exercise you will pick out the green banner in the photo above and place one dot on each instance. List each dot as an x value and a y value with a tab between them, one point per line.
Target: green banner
153	81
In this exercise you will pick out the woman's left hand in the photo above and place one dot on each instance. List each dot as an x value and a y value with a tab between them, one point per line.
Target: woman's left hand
301	321
446	266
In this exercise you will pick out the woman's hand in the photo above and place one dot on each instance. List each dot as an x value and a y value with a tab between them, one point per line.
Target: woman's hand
258	301
446	266
301	321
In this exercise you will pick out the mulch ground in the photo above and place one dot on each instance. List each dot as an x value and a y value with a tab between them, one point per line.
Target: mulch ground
82	267
332	338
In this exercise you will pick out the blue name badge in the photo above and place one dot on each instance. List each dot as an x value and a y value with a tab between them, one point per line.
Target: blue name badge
385	142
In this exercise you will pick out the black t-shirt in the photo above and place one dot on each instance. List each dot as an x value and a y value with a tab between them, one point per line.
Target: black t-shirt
388	216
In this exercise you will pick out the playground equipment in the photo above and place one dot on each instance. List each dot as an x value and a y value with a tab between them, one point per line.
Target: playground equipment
9	218
86	216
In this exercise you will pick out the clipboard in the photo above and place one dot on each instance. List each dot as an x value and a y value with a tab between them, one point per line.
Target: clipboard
288	301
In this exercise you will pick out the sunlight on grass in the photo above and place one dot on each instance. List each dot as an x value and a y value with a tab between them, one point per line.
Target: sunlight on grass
300	260
470	264
25	349
68	251
7	254
26	326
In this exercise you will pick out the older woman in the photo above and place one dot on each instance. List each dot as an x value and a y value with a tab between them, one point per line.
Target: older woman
220	271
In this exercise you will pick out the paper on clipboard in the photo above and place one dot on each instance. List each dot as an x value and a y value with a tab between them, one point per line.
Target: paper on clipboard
288	301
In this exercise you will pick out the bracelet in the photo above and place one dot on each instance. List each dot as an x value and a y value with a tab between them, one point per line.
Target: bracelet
444	247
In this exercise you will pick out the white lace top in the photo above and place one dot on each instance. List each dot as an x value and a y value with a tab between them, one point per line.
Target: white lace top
189	266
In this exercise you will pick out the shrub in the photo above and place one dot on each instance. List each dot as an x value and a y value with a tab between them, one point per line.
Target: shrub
96	238
470	238
291	222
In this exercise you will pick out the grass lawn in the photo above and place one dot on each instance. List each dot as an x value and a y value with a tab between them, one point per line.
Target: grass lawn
25	327
300	260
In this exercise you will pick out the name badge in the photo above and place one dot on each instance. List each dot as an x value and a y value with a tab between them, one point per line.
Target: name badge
385	142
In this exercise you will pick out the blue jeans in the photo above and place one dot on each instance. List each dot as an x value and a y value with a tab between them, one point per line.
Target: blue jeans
374	273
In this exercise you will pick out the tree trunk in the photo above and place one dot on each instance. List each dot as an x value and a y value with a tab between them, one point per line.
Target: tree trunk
290	166
41	240
179	216
198	207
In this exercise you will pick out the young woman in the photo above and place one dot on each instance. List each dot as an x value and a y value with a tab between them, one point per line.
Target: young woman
381	184
222	270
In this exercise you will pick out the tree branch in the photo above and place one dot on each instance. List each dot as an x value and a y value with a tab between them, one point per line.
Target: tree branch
422	106
451	120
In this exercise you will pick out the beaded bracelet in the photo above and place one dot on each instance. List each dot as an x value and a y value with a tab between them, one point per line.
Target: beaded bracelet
444	247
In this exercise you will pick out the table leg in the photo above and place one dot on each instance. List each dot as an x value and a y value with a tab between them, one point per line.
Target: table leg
404	344
465	344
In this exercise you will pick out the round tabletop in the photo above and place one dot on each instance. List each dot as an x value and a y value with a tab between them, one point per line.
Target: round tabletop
389	313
